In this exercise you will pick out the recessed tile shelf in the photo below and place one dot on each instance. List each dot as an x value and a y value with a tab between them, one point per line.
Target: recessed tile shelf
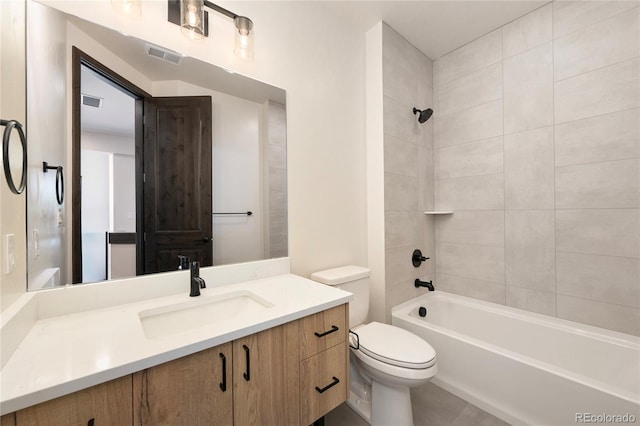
435	212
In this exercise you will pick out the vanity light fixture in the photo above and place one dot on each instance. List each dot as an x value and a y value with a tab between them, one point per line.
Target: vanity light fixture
194	23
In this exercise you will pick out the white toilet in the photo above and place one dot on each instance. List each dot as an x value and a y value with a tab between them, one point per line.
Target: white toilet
386	361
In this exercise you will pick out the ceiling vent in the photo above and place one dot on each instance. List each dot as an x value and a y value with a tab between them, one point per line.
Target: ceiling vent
92	101
163	54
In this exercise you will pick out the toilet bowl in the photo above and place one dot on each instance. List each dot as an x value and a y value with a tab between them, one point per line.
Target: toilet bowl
387	361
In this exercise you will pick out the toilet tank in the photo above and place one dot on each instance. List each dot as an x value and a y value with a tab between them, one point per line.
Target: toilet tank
354	279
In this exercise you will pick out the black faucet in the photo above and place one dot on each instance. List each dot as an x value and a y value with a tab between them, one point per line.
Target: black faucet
196	282
426	284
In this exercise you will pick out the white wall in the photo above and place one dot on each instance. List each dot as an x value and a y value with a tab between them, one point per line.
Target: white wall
12	106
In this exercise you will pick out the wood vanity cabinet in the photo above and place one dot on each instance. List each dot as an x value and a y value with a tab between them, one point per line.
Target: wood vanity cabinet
291	374
104	404
266	373
324	362
193	390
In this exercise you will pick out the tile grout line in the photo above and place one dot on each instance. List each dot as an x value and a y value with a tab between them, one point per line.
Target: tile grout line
504	178
553	164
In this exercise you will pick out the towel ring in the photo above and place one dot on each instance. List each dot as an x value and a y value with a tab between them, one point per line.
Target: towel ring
59	180
6	137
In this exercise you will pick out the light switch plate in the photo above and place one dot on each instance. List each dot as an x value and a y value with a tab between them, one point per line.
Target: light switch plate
10	253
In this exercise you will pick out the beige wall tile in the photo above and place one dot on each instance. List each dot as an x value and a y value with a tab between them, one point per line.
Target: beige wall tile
528	162
602	278
607	137
425	179
532	30
528	90
402	68
483	263
610	89
471	159
530	249
484	192
401	228
605	43
611	184
570	16
400	192
530	300
400	122
400	157
480	87
613	232
477	123
605	315
398	293
478	54
478	289
472	227
399	267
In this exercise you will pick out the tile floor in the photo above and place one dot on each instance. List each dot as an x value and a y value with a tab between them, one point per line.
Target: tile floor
432	406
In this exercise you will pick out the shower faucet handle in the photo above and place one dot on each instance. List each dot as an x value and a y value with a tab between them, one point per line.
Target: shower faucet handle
417	258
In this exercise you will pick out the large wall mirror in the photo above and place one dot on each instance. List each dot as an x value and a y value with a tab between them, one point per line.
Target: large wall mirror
138	155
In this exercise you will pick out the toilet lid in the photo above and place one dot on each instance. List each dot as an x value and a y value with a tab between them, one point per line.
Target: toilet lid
395	346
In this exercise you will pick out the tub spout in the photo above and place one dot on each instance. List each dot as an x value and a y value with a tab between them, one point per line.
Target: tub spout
427	284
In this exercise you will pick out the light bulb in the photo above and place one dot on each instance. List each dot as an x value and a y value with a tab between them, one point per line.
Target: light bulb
192	18
244	40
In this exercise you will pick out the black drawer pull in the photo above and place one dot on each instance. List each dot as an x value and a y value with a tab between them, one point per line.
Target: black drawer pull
247	375
90	422
329	386
223	385
333	329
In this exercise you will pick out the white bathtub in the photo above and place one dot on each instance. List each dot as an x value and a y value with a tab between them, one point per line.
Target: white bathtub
527	368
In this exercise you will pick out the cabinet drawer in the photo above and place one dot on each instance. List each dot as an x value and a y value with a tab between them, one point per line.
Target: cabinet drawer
323	330
323	383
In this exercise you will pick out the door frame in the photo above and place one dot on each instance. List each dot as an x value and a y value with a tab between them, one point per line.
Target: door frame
79	58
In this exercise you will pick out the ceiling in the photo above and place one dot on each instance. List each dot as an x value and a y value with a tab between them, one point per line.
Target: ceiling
435	27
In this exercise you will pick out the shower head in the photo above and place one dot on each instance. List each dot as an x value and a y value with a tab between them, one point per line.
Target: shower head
423	115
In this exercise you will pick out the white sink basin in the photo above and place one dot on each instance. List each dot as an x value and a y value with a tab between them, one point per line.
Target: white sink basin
199	313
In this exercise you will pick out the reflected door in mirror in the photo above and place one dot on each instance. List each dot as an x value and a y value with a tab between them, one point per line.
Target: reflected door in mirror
177	187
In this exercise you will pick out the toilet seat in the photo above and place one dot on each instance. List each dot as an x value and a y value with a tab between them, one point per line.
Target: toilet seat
395	346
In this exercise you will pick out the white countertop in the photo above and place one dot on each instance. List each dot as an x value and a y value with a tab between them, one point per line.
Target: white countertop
66	353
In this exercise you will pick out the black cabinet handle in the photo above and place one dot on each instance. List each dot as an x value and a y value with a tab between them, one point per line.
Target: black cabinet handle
247	375
333	329
329	386
90	422
223	385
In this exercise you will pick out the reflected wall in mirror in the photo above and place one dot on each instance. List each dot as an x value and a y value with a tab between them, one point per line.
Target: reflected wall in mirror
100	227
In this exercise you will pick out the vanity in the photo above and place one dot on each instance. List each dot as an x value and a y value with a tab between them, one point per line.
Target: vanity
270	349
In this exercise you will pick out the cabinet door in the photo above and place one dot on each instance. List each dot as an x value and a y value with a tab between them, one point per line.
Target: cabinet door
323	383
186	391
105	404
266	377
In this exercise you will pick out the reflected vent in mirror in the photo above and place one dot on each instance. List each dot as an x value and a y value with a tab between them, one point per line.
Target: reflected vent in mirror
92	101
163	54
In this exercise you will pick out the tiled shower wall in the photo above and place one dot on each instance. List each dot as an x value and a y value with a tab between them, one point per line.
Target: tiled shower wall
537	151
408	167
